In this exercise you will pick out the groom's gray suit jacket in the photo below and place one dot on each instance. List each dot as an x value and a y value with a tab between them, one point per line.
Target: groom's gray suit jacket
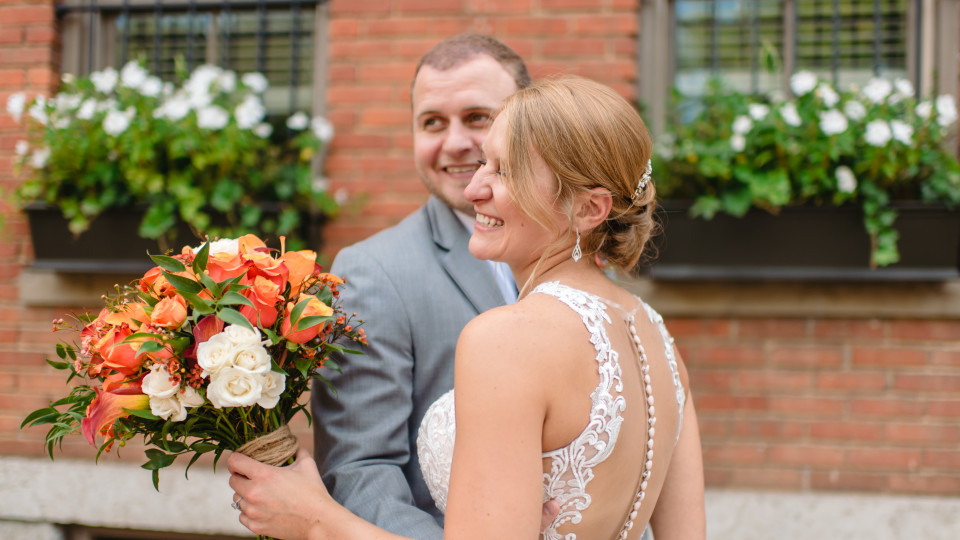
415	285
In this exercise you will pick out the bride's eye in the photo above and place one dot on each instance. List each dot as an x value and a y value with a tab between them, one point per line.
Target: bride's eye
482	162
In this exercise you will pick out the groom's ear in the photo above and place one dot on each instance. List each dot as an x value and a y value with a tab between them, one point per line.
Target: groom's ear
592	208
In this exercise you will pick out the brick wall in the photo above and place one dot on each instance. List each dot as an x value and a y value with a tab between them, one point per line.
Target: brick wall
791	404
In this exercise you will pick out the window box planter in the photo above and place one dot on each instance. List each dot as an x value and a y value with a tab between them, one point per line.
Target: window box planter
801	243
112	245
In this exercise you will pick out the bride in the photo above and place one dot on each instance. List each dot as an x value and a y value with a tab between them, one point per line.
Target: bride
576	393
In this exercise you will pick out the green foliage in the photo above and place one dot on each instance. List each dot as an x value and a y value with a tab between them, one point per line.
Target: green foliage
729	152
200	152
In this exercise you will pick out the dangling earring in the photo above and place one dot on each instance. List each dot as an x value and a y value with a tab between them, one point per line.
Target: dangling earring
577	254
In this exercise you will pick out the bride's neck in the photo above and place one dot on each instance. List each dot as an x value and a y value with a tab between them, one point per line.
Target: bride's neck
557	268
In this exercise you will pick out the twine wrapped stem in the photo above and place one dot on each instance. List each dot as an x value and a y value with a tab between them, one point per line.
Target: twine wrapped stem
275	448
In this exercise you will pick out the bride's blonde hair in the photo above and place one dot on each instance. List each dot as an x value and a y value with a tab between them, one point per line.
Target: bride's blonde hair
590	137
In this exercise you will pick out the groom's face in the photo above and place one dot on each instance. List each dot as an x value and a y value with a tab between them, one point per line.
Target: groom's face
452	112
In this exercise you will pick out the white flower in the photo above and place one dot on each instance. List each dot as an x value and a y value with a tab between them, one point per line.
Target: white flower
241	335
132	75
758	111
201	79
877	89
168	408
742	125
854	110
341	196
234	387
116	122
38	111
151	87
175	108
21	148
273	384
878	133
832	122
924	109
104	81
322	128
298	121
946	110
67	102
230	246
263	130
15	104
846	181
215	354
255	81
802	82
189	397
39	158
738	142
251	357
87	109
828	95
902	132
790	115
227	82
250	112
108	104
903	87
159	383
212	117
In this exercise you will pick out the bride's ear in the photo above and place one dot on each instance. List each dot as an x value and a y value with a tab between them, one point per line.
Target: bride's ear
592	208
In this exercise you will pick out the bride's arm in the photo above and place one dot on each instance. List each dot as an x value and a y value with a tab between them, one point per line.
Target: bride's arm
497	477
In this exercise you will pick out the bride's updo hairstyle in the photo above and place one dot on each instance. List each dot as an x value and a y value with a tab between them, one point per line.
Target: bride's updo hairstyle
590	137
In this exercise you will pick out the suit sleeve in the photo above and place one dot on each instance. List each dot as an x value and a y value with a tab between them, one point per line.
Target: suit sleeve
361	429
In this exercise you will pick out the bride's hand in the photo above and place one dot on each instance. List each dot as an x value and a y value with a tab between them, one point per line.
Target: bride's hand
283	502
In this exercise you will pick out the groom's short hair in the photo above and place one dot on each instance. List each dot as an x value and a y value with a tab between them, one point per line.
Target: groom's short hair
460	48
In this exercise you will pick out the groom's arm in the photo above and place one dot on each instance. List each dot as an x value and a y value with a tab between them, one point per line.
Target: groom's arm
362	431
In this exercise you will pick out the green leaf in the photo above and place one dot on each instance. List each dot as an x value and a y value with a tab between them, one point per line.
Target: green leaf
231	298
142	413
200	305
209	283
58	365
311	321
158	459
233	316
47	413
201	258
168	263
183	284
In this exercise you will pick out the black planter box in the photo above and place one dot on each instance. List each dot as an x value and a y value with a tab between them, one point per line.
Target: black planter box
822	243
111	245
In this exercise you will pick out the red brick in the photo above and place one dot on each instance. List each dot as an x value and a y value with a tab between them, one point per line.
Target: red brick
947	408
22	56
609	71
22	402
41	35
928	383
779	479
355	51
716	477
682	327
803	454
848	330
568	4
384	164
367	7
770	429
719	402
851	381
883	458
14	15
770	328
886	407
573	46
428	6
888	358
12	78
711	380
342	28
927	435
937	484
386	71
731	355
413	49
753	380
945	358
500	8
926	330
712	428
361	142
531	26
859	431
842	480
10	36
365	94
945	459
806	357
339	73
733	453
406	26
605	25
805	406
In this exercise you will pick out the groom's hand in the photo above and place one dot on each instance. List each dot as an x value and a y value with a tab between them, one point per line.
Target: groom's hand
550	510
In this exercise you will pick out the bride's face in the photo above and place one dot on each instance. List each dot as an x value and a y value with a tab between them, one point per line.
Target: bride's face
502	232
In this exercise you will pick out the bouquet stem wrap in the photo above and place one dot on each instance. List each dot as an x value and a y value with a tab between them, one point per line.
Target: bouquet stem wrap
275	448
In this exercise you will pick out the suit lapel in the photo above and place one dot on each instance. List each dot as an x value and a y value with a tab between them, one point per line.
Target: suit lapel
471	275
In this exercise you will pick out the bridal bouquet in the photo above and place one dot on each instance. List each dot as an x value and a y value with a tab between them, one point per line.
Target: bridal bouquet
209	351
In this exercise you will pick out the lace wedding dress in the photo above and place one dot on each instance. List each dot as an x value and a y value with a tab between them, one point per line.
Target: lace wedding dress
571	467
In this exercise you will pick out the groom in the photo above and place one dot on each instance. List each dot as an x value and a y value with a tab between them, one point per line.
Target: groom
416	286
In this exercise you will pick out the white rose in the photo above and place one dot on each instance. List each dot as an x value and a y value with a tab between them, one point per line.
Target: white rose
298	121
255	81
902	132
87	109
212	117
924	109
322	128
67	102
854	110
878	133
828	95
742	125
175	108
263	130
132	75
215	354
168	408
116	122
790	115
758	111
846	181
946	110
738	142
38	111
189	397
104	81
21	148
39	158
251	357
159	383
227	82
250	112
241	335
201	79
273	386
833	122
802	82
904	89
15	105
877	89
230	246
234	387
151	87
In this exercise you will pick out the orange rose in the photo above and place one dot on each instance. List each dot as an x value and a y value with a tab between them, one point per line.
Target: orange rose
170	312
314	307
265	294
221	266
120	356
301	264
154	282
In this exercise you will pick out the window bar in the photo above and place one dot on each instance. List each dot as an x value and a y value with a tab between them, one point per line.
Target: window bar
261	35
157	17
835	39
876	37
191	13
754	47
714	31
225	47
93	20
294	53
125	32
